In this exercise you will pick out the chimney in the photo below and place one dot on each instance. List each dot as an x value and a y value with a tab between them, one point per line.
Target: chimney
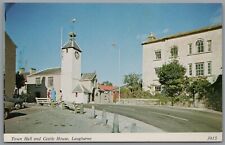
21	70
32	71
151	37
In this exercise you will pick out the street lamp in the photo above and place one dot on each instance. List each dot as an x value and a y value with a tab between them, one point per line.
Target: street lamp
114	45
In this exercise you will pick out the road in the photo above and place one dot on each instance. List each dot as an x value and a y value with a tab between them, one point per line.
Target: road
169	119
40	119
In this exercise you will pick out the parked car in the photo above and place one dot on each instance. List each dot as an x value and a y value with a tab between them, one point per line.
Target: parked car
17	100
8	107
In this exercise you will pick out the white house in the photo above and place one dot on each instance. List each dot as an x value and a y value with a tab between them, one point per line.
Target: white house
199	51
75	86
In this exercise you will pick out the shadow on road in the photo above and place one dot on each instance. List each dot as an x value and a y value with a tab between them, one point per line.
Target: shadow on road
15	114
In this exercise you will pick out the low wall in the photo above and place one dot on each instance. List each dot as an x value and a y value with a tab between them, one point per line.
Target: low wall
140	101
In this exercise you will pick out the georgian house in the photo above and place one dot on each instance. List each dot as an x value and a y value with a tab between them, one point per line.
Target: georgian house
199	51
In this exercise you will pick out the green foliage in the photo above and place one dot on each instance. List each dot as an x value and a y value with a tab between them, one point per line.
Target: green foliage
20	81
133	81
108	83
214	95
197	85
125	92
171	77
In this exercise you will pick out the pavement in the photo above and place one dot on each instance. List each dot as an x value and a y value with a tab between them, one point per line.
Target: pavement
44	119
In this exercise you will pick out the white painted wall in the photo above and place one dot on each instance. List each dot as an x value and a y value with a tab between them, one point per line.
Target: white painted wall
56	82
70	73
150	63
81	98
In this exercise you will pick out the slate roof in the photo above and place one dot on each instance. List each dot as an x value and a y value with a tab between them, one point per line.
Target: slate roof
87	76
48	71
205	29
80	89
71	43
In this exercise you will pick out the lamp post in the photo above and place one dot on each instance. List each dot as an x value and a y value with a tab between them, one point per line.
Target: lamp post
114	45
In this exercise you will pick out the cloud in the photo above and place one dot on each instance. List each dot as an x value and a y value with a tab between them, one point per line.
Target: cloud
166	30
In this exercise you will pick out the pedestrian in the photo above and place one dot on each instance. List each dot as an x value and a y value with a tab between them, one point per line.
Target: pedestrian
60	96
53	95
49	94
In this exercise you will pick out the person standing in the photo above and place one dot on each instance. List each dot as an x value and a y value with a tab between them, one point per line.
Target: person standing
53	95
60	96
49	94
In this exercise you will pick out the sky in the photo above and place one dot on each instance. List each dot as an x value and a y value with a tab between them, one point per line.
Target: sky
102	31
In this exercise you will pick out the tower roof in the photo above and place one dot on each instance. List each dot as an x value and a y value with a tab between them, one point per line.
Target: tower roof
71	43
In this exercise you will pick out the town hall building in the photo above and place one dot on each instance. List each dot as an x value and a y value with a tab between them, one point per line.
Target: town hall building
199	51
75	86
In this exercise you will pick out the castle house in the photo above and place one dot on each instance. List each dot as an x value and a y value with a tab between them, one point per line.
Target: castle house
199	51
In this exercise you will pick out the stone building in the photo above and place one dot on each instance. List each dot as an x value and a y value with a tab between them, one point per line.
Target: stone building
9	67
199	51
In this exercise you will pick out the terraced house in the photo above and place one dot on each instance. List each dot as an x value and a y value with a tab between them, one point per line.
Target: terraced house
199	51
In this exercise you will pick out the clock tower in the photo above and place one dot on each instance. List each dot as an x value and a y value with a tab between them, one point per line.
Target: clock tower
70	68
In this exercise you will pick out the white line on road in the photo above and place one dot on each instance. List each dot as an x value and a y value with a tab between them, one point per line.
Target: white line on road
171	116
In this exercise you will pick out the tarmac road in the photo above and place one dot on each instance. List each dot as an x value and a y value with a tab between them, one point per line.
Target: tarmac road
169	119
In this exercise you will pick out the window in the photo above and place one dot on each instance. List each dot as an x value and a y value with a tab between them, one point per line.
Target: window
200	46
209	45
190	48
209	68
199	69
174	52
158	88
190	69
38	81
50	81
158	54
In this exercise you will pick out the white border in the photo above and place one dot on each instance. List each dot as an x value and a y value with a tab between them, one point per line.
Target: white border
115	137
122	137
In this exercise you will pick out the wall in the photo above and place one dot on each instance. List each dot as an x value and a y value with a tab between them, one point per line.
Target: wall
150	78
70	72
43	88
10	66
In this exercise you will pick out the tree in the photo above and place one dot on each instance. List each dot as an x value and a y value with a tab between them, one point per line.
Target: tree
197	85
107	83
171	77
133	81
20	81
214	96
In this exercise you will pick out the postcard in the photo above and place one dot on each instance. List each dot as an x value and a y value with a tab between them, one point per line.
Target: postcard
112	72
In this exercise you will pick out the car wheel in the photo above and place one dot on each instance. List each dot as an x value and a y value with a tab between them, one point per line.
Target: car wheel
6	114
17	106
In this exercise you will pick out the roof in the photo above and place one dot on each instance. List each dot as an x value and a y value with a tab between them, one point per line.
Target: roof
80	89
87	76
48	71
71	43
205	29
106	88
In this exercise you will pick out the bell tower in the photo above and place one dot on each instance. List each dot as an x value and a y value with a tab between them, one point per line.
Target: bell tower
70	68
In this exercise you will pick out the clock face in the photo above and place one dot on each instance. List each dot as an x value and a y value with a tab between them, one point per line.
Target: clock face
77	55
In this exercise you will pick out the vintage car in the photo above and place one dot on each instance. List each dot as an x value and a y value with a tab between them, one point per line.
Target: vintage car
8	107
